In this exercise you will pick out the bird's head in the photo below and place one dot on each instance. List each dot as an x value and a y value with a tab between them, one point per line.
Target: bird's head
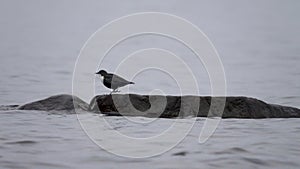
102	72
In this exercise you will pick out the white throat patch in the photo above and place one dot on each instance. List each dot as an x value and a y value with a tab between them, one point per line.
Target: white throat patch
102	78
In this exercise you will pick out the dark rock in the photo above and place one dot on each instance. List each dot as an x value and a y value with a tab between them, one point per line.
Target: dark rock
144	105
181	153
177	106
57	103
164	106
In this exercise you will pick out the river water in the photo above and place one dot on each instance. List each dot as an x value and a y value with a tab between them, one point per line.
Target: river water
258	43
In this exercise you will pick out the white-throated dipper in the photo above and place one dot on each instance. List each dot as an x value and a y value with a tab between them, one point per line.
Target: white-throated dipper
113	81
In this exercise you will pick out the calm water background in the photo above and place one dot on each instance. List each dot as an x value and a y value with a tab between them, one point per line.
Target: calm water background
258	42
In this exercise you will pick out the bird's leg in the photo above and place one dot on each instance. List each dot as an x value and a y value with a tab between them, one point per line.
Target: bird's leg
114	91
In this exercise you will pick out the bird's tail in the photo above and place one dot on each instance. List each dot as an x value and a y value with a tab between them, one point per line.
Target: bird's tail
131	83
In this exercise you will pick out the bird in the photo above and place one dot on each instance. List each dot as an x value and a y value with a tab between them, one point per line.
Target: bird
112	81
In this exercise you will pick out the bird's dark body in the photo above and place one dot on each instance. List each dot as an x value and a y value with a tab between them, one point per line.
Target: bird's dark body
107	83
113	81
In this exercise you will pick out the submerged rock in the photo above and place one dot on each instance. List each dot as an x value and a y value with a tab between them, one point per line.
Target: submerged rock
57	103
182	106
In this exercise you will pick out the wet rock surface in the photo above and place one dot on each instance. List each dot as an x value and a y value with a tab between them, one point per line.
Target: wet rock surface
183	106
57	103
165	106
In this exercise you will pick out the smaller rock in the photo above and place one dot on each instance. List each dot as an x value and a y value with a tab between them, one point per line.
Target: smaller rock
57	103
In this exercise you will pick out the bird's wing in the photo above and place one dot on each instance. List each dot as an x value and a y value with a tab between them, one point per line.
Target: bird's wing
115	81
119	81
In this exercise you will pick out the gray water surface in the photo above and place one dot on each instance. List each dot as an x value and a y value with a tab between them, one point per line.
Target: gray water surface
258	42
38	140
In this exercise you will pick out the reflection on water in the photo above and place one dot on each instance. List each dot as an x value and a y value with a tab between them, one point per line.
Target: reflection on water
35	139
